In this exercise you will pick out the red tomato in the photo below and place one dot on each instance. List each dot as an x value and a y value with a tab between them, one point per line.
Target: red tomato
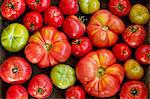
99	73
16	92
134	35
40	86
143	54
75	92
69	7
38	5
73	27
48	47
119	7
81	46
122	51
134	90
12	9
15	70
53	17
103	28
33	21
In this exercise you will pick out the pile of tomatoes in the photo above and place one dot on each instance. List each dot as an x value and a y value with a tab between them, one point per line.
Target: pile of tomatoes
107	50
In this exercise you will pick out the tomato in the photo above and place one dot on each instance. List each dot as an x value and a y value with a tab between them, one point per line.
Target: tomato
134	35
63	76
16	92
122	51
97	70
53	17
12	9
15	70
14	37
73	27
119	7
134	90
48	47
103	28
81	46
142	54
139	14
38	5
33	21
75	92
89	6
133	69
40	86
69	7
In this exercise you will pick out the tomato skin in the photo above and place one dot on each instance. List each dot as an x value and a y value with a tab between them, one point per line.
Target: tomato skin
12	9
142	54
16	92
133	86
53	17
15	70
119	7
134	35
75	92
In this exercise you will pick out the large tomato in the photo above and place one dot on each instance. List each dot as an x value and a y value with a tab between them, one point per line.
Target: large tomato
99	73
103	28
48	47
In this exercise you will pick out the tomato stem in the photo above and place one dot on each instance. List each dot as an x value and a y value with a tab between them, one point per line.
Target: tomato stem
10	5
104	27
15	70
148	55
133	29
101	72
134	91
77	41
40	90
47	46
120	7
37	1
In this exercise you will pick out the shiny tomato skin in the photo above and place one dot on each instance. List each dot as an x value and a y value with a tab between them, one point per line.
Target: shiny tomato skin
75	92
134	90
134	35
16	92
15	70
119	7
12	9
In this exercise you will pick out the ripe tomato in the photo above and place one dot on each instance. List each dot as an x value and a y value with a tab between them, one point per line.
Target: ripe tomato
53	17
75	92
81	46
12	9
97	70
134	90
134	35
33	21
122	51
16	92
143	54
48	47
103	28
40	86
119	7
15	70
73	27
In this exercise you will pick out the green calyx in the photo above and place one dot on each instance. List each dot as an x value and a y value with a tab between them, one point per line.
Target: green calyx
40	90
47	46
134	92
15	70
101	72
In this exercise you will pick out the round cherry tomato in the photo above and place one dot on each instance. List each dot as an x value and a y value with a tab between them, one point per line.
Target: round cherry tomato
53	17
143	54
38	5
33	21
69	7
122	51
75	92
12	9
133	70
40	86
15	70
16	92
73	27
99	73
134	35
134	90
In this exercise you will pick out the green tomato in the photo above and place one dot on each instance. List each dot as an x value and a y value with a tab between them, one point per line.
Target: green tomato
63	76
89	6
14	37
139	14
